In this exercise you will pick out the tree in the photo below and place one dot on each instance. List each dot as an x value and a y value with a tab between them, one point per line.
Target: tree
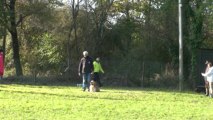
3	32
15	18
12	28
73	26
193	32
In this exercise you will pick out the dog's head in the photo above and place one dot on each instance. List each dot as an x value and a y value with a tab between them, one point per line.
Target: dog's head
92	82
94	87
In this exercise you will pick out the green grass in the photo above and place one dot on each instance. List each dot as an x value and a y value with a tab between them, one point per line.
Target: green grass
27	102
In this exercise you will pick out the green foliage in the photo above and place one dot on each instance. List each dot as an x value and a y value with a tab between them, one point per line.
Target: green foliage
208	25
43	102
194	19
48	51
3	14
144	30
45	55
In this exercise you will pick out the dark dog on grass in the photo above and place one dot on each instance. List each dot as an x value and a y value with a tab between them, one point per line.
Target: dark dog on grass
94	87
200	89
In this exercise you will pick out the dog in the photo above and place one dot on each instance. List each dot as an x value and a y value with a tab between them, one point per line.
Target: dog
200	89
93	87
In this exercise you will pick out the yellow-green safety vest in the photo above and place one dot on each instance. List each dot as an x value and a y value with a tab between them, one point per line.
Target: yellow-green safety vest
97	67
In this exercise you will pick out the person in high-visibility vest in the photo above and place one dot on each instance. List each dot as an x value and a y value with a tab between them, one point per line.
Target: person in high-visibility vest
97	69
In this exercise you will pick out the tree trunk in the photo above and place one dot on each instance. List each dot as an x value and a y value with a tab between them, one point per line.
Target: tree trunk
4	43
14	35
16	56
75	9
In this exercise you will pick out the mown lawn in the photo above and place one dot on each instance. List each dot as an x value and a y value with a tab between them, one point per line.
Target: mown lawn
26	102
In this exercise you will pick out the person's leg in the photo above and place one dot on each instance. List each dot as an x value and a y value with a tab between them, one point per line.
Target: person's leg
211	89
98	80
207	87
84	84
88	77
95	76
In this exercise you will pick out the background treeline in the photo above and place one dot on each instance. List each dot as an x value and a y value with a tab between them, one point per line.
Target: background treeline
137	40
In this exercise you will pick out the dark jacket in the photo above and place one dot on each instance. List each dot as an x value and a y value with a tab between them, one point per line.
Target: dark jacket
85	65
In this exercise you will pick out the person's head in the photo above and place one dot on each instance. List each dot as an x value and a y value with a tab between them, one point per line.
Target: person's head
98	59
209	64
85	53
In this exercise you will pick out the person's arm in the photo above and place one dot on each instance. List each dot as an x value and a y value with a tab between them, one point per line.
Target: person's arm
80	68
92	66
101	68
208	72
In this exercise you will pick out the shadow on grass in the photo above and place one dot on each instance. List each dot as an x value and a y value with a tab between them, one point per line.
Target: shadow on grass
72	97
151	89
69	83
43	81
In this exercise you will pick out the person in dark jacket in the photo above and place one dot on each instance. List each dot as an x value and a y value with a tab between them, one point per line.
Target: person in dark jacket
85	69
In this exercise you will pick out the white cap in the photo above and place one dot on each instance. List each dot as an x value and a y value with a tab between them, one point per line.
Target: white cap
85	53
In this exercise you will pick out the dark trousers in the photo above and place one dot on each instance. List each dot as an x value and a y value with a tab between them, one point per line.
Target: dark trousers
97	79
207	87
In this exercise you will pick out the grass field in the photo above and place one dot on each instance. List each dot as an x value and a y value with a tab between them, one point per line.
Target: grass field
27	102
